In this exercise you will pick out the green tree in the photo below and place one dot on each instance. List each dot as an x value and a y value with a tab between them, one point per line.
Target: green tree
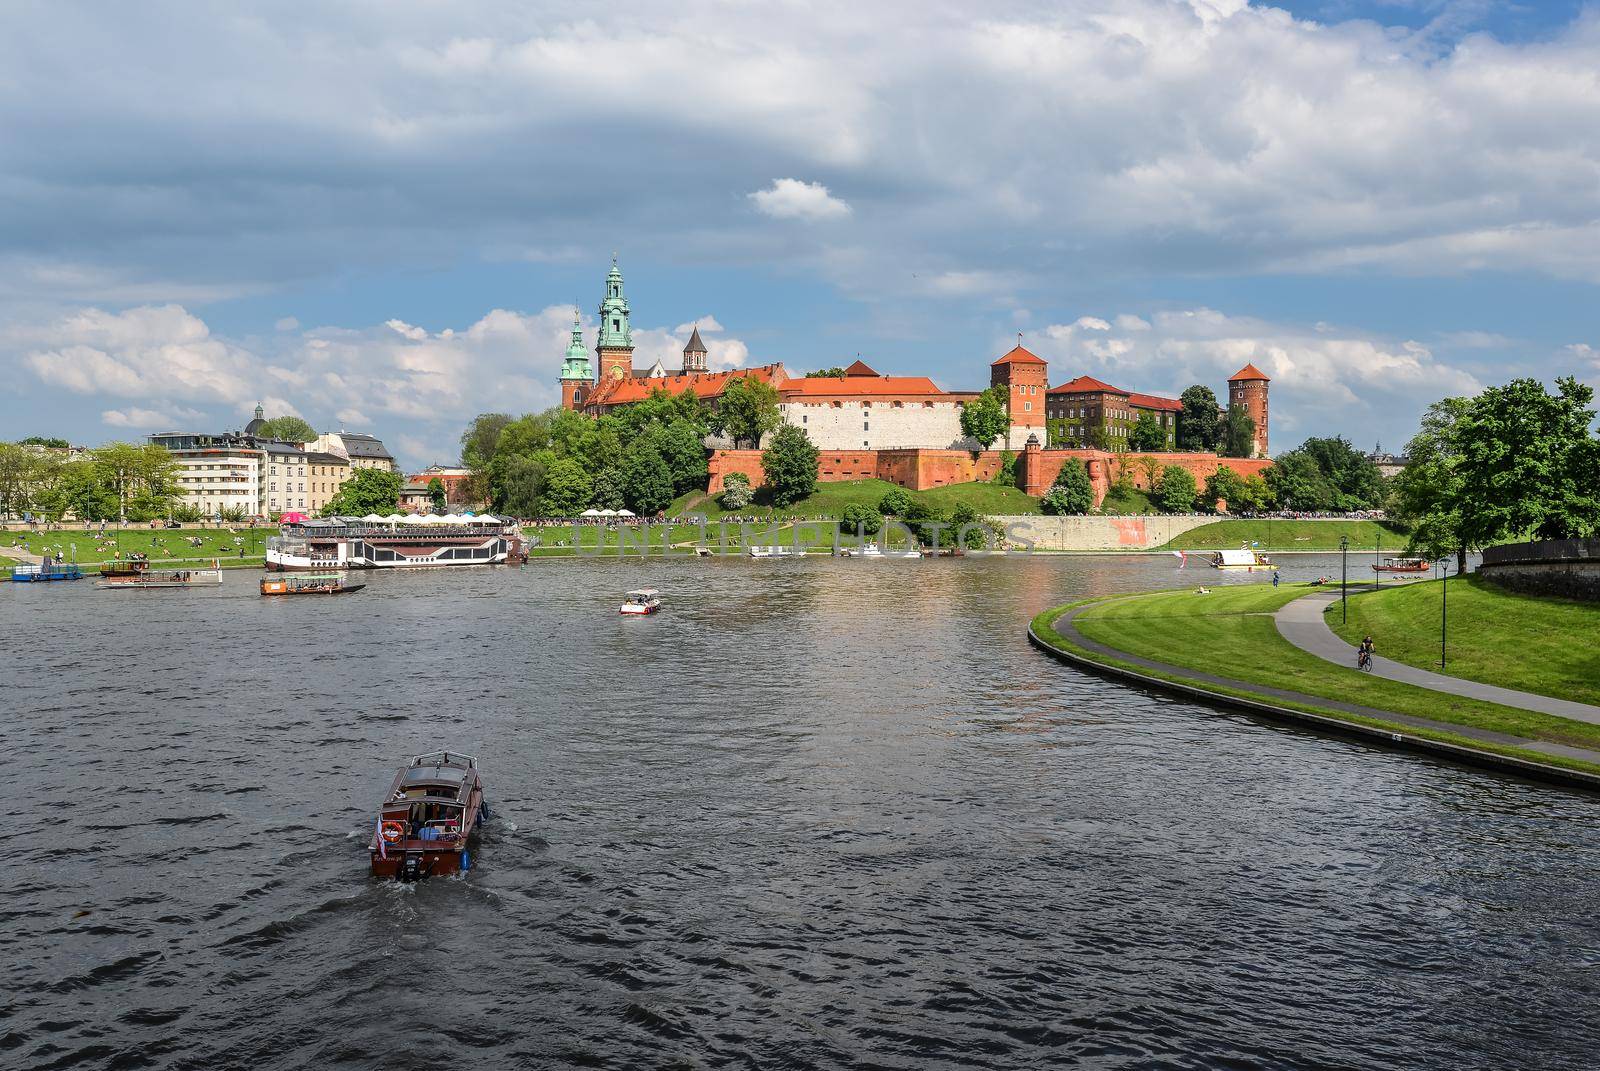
1238	433
1224	486
1177	493
679	444
366	491
81	491
860	518
736	492
567	489
965	517
436	495
646	481
985	419
479	442
827	373
40	440
1198	423
896	501
288	429
519	483
1006	474
1147	433
1071	493
1528	463
1326	474
747	410
1255	495
608	488
790	465
143	478
1427	492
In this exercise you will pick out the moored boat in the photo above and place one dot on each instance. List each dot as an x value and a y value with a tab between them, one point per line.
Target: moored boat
771	551
307	584
175	578
431	814
1403	565
1250	561
45	572
132	565
643	601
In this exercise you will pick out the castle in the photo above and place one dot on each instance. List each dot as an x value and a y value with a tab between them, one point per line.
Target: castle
858	418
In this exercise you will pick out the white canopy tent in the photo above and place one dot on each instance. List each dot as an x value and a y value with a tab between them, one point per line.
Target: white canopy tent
626	513
591	512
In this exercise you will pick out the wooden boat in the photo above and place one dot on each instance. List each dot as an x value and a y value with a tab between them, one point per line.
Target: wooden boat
1248	560
1403	565
307	584
643	601
176	578
132	565
432	812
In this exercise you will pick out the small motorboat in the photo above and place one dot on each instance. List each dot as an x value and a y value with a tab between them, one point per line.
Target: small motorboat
141	577
434	809
771	551
865	550
1403	565
307	584
643	601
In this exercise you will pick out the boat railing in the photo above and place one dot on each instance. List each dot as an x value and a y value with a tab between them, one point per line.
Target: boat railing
444	758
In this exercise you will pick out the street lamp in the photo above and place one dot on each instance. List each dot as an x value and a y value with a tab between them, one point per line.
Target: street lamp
1344	579
1444	606
1377	550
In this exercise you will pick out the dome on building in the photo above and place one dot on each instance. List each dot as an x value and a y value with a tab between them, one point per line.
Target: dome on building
254	427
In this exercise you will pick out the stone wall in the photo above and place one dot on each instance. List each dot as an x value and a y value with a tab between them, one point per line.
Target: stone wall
1099	533
1566	567
1038	469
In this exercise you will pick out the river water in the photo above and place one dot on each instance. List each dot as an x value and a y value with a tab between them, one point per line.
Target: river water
819	813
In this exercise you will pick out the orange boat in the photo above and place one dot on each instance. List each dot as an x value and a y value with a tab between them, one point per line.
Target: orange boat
434	808
1403	565
307	584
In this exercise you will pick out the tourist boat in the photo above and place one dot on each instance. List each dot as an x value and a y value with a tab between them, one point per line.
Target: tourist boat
1250	561
773	551
865	550
434	808
643	601
307	584
45	572
175	578
132	565
1403	565
395	541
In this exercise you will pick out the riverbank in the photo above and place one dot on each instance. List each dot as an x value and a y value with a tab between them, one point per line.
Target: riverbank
1529	642
1284	534
1224	646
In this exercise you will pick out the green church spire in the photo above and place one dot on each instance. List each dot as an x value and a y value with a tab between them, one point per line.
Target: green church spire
576	365
615	333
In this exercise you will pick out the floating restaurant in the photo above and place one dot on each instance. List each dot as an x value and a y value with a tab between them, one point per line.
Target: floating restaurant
395	541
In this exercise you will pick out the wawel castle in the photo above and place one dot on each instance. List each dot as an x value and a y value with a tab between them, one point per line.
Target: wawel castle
866	411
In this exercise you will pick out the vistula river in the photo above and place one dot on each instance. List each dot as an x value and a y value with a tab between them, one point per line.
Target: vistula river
819	813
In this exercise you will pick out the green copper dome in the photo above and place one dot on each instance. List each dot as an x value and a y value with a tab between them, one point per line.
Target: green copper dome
615	333
576	365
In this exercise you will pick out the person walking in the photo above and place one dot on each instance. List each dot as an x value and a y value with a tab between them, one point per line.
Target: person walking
1274	578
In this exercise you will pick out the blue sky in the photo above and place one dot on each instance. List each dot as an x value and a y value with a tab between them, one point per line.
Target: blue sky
378	215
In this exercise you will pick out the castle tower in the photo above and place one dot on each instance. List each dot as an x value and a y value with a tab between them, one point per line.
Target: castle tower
1247	388
694	353
576	379
615	345
1025	374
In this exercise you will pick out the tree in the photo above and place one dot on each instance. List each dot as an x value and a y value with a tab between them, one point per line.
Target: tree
288	429
1152	472
366	491
965	517
1147	433
1177	492
1006	474
646	481
608	488
1071	493
736	493
680	447
1427	492
142	478
985	419
896	501
861	518
40	440
436	495
1255	495
567	489
747	410
1326	474
1198	423
790	465
827	373
1224	486
481	439
1238	433
1528	463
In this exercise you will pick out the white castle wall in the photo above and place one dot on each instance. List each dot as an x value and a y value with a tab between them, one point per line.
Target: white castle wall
880	425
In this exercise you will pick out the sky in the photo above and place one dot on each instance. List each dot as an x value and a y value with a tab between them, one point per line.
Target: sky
380	214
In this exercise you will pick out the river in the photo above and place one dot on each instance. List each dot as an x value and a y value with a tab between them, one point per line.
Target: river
819	813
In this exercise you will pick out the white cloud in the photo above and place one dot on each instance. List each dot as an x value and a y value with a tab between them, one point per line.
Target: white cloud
149	351
792	199
288	323
146	421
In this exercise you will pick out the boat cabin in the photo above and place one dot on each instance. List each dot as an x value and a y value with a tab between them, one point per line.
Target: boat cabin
429	800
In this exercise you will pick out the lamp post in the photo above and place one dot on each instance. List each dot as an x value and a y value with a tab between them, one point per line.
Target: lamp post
1444	608
1344	579
1376	560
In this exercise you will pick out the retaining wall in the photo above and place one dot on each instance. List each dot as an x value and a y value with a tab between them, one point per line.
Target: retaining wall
1566	567
1099	533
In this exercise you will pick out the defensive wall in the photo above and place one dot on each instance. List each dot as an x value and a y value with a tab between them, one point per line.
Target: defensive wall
921	469
1098	533
1566	567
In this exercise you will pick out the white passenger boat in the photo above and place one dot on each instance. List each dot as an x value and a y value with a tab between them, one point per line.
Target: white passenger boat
643	601
1250	561
772	551
395	541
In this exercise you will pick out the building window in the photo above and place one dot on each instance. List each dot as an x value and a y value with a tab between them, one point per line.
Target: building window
1027	407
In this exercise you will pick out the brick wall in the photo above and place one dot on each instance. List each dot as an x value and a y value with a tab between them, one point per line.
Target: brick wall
1039	468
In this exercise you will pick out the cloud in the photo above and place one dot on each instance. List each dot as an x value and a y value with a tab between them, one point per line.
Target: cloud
149	351
146	421
288	323
793	199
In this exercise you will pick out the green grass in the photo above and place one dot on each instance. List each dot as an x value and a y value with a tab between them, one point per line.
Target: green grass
159	544
1291	535
831	499
817	536
1527	642
1230	633
1135	503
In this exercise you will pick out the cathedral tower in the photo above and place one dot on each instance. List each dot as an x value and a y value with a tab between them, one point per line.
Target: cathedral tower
694	353
576	378
615	345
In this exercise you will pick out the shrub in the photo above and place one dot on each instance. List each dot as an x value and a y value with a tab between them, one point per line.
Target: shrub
1071	493
857	517
736	492
895	502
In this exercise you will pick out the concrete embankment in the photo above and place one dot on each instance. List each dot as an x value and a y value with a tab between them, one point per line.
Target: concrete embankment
1098	533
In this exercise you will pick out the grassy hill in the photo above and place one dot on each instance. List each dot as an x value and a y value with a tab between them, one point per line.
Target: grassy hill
830	500
1291	535
159	544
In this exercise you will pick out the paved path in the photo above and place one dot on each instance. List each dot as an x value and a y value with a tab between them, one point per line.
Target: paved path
1302	623
1065	626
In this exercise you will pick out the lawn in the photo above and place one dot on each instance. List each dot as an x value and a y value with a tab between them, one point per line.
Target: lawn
1527	642
1135	503
1230	632
830	500
1273	534
160	544
719	536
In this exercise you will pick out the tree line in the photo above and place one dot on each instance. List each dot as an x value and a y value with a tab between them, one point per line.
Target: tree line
118	481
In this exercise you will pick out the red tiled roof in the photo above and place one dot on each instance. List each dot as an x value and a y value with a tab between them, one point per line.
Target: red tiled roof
1249	371
857	386
703	384
1018	355
1155	401
859	369
1084	385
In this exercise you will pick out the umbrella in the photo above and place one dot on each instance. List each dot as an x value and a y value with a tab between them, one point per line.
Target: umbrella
626	513
291	518
371	517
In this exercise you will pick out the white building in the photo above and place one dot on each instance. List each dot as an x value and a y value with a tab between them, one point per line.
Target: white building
360	450
217	473
868	411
